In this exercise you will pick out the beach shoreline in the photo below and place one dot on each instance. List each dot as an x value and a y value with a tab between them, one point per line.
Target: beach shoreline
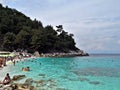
26	56
63	55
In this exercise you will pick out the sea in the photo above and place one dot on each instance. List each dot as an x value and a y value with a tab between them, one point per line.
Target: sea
94	72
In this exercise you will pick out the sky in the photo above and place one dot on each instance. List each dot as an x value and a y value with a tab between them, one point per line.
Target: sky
94	23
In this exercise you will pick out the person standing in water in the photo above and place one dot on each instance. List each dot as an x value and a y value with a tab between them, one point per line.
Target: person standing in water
14	62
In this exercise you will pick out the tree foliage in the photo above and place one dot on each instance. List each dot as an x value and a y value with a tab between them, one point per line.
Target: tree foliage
18	31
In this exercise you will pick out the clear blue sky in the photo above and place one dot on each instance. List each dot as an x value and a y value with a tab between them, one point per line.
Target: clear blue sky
94	23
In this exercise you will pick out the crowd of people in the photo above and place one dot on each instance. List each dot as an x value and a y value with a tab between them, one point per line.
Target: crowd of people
4	62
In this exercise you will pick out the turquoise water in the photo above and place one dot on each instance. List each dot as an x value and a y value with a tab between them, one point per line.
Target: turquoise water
96	72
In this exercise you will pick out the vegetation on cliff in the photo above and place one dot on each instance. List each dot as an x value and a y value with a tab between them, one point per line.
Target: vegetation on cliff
18	31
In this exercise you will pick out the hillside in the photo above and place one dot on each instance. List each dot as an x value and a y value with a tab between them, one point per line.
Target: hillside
18	31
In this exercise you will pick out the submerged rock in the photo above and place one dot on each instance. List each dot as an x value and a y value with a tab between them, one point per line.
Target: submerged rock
51	80
25	87
51	83
29	81
39	83
97	71
94	82
42	75
84	79
18	77
61	89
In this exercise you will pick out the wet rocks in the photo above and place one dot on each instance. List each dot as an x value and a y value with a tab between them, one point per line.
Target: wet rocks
29	81
6	87
18	77
40	83
25	87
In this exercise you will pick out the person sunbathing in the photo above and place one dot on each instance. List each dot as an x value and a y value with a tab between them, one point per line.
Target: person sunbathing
6	80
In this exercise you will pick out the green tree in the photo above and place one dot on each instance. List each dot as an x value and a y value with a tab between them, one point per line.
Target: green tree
23	38
18	31
38	39
8	42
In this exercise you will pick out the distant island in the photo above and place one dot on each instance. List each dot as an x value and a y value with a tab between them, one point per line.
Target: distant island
19	32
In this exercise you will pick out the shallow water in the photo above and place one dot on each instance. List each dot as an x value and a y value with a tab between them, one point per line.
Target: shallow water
96	72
